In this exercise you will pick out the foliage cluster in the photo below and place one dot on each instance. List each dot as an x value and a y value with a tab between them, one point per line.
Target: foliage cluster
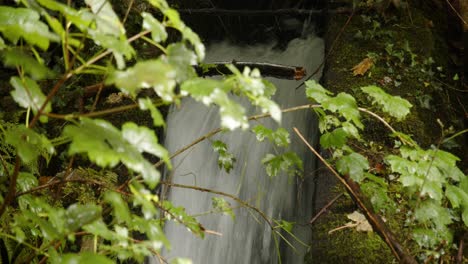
41	219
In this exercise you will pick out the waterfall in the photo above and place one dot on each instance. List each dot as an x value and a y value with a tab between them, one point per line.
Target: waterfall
247	238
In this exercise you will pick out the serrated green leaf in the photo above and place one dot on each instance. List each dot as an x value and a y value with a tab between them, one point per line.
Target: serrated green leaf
316	92
393	105
345	105
154	74
354	165
99	228
223	206
269	106
336	139
288	162
430	211
158	31
200	88
85	258
147	104
28	143
2	44
145	140
181	60
178	214
106	145
433	189
28	94
280	137
26	181
225	159
24	22
78	215
83	19
121	211
15	58
456	196
107	21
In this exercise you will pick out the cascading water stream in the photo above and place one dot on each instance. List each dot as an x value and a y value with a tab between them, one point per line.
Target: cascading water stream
247	238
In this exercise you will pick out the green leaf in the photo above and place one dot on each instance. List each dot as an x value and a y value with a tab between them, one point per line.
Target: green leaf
288	162
158	31
225	159
201	88
346	106
223	206
121	211
106	145
99	228
2	44
280	137
354	165
145	140
28	143
433	189
393	105
155	74
26	181
147	104
430	211
85	258
78	215
29	95
179	215
335	139
456	196
24	22
14	58
181	60
107	22
316	92
83	19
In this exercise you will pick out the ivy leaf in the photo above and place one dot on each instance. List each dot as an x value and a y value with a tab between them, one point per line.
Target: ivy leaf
29	95
316	92
155	74
14	58
344	104
28	143
337	138
222	206
147	104
106	145
24	22
393	105
288	162
158	31
225	159
280	137
354	165
78	215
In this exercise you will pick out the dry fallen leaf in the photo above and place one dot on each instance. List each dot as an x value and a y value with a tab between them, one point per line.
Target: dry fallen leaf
361	222
362	67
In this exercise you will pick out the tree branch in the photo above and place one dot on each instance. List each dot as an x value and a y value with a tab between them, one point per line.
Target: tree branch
374	219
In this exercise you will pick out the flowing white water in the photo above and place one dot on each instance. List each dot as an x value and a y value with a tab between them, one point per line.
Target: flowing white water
247	238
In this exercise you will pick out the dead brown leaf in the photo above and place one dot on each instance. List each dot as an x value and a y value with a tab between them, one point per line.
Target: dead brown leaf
362	67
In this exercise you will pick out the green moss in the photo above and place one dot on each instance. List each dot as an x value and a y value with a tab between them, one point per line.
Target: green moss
345	245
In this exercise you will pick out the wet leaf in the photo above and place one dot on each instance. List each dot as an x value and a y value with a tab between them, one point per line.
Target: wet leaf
393	105
28	143
29	95
147	104
225	159
223	206
354	165
14	58
158	31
